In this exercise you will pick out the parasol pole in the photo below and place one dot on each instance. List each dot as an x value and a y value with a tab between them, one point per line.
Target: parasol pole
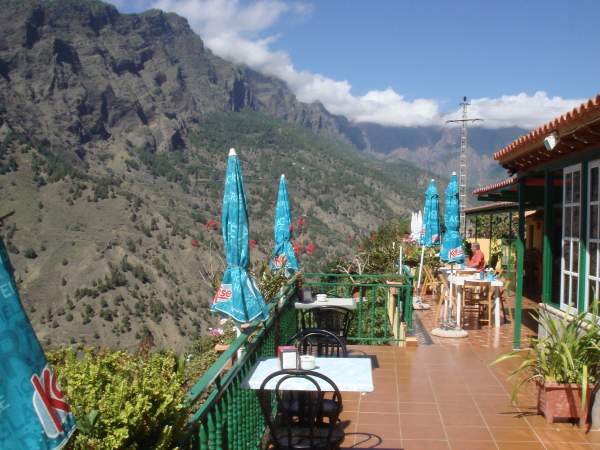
400	260
420	269
446	322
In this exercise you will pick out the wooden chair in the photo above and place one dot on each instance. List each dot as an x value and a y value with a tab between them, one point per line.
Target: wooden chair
300	426
443	298
477	298
429	282
465	273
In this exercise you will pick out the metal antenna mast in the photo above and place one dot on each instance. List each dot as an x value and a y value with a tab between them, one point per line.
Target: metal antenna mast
462	173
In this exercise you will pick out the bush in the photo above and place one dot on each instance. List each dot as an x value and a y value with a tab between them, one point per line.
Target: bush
30	253
123	401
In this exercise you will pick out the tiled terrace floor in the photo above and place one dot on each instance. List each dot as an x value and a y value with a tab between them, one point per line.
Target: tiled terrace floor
444	396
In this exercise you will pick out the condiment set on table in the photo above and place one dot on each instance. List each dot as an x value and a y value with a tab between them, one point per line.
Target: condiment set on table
289	358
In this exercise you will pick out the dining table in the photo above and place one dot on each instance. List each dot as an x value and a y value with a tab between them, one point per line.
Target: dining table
459	282
352	374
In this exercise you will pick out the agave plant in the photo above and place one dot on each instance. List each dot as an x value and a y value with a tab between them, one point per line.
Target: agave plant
569	353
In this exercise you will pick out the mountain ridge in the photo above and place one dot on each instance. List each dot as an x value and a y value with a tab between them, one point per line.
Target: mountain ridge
114	131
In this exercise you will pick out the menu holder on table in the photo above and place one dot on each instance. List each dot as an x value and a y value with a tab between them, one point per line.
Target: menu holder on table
288	356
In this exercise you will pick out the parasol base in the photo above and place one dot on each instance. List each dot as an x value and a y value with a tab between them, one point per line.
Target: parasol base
449	332
419	305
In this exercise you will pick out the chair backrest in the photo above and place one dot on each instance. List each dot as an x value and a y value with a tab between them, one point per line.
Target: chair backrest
333	319
300	425
464	273
317	342
476	291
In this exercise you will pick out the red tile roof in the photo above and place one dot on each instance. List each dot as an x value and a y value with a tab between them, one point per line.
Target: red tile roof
495	186
586	112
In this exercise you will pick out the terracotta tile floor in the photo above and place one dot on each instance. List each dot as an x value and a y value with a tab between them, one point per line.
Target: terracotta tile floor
444	396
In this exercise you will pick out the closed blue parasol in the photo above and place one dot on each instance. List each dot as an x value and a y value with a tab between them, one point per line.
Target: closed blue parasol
283	253
238	295
451	252
452	248
430	233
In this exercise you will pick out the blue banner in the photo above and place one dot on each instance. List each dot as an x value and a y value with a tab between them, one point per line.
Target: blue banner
33	412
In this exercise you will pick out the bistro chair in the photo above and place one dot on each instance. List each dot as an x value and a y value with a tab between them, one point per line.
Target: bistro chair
320	343
302	426
477	299
334	319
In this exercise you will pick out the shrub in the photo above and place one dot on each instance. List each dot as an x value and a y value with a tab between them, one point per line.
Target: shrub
122	401
30	253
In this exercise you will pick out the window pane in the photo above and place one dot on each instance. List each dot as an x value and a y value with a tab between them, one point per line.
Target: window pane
594	222
594	184
567	215
593	268
576	188
568	188
565	289
574	291
575	257
575	228
567	255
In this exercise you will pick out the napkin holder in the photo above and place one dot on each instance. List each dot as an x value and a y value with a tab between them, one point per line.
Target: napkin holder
288	357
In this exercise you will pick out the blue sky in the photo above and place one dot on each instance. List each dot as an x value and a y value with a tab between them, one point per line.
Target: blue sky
443	49
409	62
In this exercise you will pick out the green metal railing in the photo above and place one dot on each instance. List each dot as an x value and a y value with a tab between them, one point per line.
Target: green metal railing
227	417
381	308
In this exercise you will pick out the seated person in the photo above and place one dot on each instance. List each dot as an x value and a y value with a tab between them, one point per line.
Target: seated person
477	261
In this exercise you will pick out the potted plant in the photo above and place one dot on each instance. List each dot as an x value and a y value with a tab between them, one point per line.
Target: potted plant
564	365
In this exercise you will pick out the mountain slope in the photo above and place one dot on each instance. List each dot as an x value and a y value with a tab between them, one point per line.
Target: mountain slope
437	149
114	131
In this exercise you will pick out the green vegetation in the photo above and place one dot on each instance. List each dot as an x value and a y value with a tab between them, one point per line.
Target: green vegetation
569	353
123	401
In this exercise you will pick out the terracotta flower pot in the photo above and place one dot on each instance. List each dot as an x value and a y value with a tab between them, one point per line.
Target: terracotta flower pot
220	348
562	401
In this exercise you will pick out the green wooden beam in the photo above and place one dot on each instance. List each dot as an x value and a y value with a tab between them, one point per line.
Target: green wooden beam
520	244
583	236
548	257
568	160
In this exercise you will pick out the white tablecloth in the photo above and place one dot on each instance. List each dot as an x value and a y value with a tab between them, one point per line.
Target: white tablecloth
348	303
349	375
496	284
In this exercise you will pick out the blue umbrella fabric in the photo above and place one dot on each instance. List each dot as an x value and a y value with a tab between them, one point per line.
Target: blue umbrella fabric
430	235
452	249
33	411
238	296
283	254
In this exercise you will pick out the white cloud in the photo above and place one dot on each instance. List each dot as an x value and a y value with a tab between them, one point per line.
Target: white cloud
527	111
239	32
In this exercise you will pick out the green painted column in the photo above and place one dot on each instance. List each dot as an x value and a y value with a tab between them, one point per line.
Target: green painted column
520	244
548	257
583	236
